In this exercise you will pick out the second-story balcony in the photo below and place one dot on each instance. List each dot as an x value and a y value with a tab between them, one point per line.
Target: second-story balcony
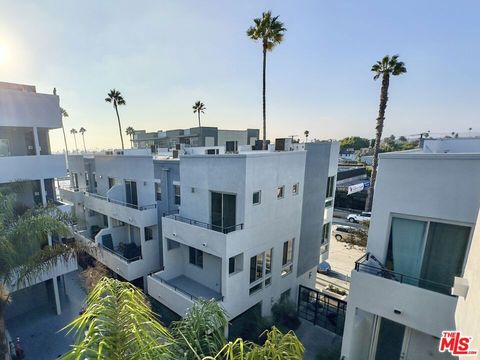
138	215
210	238
414	302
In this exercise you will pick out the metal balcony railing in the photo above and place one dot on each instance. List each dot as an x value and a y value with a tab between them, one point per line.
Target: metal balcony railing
222	229
369	264
182	291
122	203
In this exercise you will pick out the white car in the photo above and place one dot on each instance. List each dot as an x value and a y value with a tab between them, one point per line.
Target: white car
356	218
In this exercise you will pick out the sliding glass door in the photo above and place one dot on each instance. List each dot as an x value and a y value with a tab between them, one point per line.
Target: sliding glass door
431	251
131	193
223	211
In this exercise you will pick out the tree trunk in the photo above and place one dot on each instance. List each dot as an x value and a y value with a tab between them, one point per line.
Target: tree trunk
378	138
264	101
199	125
83	138
119	126
66	147
75	138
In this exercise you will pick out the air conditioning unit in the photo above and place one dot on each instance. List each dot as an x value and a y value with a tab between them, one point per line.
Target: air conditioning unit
231	147
259	144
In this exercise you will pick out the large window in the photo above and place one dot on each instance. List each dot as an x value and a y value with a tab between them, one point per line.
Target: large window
287	257
176	191
223	211
330	186
428	254
196	257
158	191
261	269
235	264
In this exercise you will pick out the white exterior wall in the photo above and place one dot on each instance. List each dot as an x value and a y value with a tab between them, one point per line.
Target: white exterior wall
433	186
232	135
466	315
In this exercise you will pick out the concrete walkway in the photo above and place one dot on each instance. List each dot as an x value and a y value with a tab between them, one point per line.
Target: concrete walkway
319	343
39	328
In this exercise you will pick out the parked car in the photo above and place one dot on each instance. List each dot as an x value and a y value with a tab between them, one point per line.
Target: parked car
356	218
343	233
324	267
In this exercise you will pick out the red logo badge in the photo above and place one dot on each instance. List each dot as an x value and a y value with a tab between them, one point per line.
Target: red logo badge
456	344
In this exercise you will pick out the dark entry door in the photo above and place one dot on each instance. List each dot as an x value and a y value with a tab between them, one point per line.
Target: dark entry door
131	193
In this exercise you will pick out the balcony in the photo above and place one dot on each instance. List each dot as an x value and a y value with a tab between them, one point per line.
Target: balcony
221	229
369	264
138	215
179	293
70	194
401	298
31	167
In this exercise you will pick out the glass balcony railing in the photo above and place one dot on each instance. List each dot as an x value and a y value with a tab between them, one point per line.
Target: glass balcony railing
222	229
118	202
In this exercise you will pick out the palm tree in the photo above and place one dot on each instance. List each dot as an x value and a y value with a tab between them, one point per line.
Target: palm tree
23	254
74	132
83	131
270	32
198	108
118	323
306	135
383	68
64	114
130	132
116	98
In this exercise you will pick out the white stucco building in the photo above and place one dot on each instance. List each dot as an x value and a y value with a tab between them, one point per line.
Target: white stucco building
26	117
243	227
420	239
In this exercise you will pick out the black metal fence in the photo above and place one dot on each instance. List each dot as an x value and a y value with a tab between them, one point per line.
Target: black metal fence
321	309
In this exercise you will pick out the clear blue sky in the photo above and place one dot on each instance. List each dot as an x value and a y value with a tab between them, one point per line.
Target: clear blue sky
164	55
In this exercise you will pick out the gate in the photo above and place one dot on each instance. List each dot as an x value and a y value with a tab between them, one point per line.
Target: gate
322	309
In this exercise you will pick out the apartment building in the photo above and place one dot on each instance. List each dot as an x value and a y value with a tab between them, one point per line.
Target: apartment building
29	169
413	282
243	227
197	137
249	229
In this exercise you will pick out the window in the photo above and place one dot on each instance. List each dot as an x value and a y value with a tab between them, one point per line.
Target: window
105	220
430	254
158	191
268	261
295	188
280	192
329	203
176	191
287	258
94	178
148	233
257	197
255	288
196	257
268	281
285	295
256	267
330	186
87	181
326	233
111	182
172	244
235	264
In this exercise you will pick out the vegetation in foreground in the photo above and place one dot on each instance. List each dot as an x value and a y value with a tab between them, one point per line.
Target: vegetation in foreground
118	323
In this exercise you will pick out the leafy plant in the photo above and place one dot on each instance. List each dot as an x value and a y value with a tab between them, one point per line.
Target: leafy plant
284	314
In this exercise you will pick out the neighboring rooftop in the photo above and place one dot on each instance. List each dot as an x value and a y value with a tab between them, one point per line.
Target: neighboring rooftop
17	87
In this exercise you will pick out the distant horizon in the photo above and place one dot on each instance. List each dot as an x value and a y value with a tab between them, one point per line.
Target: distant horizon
164	56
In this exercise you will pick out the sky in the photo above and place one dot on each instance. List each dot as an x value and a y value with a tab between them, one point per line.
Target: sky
165	55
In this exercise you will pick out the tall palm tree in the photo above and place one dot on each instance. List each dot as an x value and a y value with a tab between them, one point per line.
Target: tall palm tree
306	133
130	131
198	108
116	98
119	324
269	31
74	132
384	68
64	114
83	131
23	254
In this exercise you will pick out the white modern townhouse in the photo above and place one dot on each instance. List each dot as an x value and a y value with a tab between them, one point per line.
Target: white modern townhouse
28	168
249	228
244	227
420	274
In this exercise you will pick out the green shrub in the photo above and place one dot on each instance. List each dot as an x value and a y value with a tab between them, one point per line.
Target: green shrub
284	314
